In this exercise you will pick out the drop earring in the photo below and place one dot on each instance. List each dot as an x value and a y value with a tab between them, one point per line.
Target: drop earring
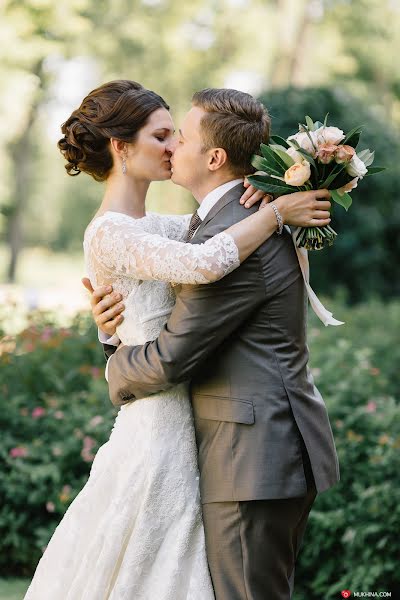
124	165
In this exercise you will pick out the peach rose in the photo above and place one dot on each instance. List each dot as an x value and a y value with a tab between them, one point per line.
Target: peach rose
344	154
326	153
298	174
348	187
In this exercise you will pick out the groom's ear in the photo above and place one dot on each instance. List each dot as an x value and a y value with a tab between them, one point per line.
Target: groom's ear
217	158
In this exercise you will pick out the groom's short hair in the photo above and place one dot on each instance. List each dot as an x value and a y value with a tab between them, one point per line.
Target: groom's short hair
236	122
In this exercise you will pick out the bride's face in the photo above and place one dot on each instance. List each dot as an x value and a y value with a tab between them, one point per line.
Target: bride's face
148	158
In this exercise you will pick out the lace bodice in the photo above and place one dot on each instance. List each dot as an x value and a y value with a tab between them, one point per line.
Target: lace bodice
142	257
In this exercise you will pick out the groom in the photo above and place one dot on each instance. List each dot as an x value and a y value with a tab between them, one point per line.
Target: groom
263	433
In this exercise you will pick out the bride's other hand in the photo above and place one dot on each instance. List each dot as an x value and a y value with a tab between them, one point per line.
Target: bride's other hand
106	307
305	209
253	195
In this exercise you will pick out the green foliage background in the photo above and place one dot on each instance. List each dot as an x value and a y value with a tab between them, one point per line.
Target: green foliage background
59	414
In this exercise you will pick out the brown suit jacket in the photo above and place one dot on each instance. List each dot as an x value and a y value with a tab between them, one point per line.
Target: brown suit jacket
242	343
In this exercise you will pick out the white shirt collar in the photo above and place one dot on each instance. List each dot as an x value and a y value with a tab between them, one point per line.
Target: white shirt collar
212	197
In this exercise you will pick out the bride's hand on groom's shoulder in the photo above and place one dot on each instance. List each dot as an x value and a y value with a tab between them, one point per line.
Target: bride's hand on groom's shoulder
106	307
252	195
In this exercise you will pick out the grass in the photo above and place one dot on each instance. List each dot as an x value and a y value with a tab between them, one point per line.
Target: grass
13	589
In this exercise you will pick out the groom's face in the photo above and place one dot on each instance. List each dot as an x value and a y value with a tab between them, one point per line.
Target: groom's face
189	161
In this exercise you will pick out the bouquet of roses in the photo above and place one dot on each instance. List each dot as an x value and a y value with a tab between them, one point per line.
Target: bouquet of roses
316	157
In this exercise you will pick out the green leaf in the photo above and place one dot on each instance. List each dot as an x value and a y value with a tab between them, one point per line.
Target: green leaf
267	165
366	156
353	137
277	139
344	200
338	169
307	156
270	155
375	170
257	181
326	119
310	123
285	157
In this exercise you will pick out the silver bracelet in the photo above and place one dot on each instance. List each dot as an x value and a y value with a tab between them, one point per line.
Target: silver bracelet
278	218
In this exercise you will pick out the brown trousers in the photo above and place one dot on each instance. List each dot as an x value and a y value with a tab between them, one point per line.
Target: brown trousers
252	546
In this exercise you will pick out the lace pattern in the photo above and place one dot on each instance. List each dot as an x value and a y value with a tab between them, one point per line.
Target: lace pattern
135	530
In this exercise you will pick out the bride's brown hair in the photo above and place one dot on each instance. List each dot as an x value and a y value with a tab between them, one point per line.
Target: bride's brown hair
118	109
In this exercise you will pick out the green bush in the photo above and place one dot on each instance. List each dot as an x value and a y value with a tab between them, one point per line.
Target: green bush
364	258
352	539
56	413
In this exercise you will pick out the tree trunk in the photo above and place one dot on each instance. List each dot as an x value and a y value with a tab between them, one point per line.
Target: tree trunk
291	30
22	160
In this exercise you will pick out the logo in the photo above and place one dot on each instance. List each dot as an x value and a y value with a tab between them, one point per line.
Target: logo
346	593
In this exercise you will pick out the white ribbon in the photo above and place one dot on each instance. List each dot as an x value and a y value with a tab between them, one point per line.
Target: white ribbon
322	313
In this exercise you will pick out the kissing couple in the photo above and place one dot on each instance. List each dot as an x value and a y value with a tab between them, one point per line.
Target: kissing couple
222	441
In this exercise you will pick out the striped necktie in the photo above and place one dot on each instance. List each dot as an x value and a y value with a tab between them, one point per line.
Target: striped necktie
193	225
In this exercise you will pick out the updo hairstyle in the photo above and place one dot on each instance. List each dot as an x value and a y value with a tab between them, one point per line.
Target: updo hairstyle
118	109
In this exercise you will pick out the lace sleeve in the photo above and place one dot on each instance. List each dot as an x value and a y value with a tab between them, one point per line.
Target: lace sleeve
122	247
174	226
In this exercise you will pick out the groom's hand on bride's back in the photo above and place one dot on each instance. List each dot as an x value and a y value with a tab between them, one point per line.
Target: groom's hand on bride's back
106	307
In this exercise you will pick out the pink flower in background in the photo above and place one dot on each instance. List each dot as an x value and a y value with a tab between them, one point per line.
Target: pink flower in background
88	442
59	414
46	334
38	412
96	421
95	372
50	507
86	451
370	407
18	452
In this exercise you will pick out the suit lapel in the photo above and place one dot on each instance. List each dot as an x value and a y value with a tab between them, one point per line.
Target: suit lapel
233	194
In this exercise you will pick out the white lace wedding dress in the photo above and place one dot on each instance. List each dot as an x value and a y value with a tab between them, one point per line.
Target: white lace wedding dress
135	530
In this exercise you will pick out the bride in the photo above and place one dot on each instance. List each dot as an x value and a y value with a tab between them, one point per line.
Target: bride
135	530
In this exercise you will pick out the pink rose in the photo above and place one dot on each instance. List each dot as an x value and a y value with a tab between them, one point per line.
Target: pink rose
326	153
95	372
344	154
38	412
96	421
18	452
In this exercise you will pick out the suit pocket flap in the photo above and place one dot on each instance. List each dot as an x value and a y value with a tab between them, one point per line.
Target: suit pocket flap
217	408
